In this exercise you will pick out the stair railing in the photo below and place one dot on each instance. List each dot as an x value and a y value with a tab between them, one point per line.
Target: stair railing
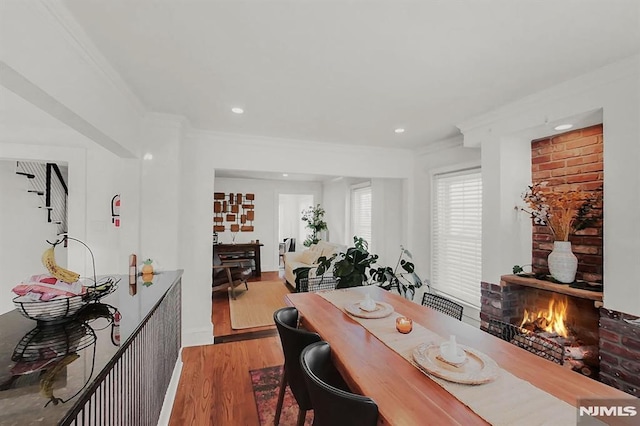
46	181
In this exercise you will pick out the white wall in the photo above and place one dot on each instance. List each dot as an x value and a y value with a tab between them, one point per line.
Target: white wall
103	170
160	189
244	152
388	216
195	248
335	196
266	211
503	133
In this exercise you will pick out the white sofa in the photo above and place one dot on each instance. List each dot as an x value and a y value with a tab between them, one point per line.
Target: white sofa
308	258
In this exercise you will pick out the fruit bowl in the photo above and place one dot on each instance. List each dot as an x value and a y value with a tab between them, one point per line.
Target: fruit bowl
54	310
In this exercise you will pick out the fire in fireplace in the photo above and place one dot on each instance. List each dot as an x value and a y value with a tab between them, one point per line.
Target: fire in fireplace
551	322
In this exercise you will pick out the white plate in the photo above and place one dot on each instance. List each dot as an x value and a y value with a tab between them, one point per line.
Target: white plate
382	310
478	368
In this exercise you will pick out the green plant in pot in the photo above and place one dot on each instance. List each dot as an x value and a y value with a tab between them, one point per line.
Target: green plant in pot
354	268
314	217
403	278
350	268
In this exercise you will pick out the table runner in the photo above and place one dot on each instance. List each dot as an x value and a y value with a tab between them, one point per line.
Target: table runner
508	400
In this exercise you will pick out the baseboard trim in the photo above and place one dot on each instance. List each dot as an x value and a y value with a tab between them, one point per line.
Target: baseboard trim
198	337
170	395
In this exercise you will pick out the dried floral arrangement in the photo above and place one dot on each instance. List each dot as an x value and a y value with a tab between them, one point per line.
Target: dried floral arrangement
562	211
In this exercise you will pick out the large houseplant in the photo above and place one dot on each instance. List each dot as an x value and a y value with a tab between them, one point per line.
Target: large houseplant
314	217
354	268
350	268
402	278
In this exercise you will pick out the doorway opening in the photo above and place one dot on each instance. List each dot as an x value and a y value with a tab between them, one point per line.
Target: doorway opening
291	228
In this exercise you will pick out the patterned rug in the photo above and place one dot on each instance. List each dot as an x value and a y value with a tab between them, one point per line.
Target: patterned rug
266	385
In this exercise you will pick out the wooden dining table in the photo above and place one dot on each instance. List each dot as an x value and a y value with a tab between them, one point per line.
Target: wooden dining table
404	394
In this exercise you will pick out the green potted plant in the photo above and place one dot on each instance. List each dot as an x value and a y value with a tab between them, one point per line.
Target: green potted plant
402	278
354	268
313	216
350	268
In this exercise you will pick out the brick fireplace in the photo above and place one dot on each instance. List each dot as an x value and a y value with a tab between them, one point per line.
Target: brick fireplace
518	300
610	340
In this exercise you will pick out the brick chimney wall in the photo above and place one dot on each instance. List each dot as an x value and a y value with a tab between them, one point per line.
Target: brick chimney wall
570	160
620	351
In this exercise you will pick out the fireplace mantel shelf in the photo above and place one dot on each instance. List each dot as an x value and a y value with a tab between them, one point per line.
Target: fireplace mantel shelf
546	285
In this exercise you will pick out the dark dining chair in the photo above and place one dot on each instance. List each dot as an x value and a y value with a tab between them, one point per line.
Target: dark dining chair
442	304
294	340
527	340
332	404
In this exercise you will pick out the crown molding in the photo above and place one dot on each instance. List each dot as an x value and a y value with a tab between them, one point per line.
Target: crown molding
251	140
482	124
440	145
78	38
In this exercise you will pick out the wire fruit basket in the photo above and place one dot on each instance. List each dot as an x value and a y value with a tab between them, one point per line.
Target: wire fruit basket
52	310
61	309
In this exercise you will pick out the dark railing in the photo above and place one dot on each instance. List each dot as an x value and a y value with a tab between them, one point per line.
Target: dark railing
56	194
46	180
130	389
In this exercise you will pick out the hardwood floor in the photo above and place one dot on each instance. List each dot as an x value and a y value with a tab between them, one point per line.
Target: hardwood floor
215	386
222	321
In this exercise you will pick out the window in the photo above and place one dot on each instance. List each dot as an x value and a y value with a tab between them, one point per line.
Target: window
457	235
361	211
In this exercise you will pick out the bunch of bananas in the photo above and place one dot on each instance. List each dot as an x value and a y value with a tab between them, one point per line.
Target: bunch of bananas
49	261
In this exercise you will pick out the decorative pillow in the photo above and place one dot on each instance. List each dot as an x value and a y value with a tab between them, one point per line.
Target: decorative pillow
328	249
309	256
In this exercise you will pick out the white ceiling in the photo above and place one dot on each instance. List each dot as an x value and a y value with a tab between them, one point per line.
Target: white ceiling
351	71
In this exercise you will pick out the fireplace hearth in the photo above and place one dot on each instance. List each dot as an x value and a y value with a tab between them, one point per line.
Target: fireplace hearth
554	321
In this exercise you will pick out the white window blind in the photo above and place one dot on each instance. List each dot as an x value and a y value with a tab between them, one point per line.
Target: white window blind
361	212
457	235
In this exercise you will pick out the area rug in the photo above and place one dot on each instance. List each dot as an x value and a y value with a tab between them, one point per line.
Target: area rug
255	307
266	385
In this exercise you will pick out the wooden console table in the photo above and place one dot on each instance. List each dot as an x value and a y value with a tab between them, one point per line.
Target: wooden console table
240	251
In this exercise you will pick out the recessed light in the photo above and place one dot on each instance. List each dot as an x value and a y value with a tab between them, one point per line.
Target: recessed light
148	156
237	110
399	130
563	127
285	174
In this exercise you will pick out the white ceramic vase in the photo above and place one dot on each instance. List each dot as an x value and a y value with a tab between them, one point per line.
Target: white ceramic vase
563	264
